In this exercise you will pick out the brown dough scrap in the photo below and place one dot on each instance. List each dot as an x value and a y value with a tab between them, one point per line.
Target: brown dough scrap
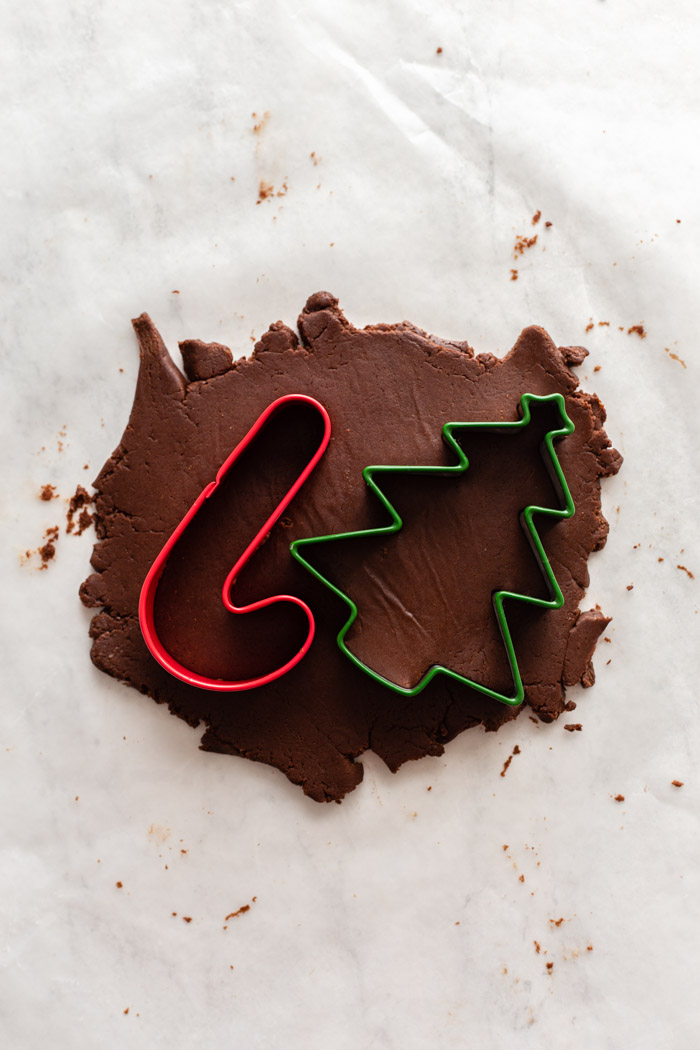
423	594
204	360
578	663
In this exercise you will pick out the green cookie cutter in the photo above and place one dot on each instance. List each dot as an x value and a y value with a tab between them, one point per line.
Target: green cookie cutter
556	601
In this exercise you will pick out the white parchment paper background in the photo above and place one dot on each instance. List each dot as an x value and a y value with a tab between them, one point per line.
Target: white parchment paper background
130	171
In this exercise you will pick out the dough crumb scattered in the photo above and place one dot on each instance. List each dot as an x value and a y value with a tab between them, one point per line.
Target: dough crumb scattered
637	329
521	243
48	551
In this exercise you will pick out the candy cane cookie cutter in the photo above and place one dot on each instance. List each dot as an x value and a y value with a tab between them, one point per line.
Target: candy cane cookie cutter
150	585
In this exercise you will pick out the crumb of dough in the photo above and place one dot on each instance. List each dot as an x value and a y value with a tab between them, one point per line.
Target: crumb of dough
77	505
521	243
48	551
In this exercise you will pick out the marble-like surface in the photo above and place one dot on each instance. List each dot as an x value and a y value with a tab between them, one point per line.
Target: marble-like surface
399	919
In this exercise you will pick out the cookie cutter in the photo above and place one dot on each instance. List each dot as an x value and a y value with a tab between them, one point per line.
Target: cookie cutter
150	585
556	600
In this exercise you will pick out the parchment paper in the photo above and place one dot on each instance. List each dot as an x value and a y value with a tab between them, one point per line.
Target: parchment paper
131	176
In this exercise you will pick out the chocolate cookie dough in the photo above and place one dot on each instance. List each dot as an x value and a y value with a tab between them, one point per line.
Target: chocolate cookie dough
424	595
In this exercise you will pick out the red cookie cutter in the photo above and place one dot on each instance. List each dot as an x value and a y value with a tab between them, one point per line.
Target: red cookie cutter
150	586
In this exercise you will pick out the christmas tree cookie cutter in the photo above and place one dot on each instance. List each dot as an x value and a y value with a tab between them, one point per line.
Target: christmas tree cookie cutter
556	600
150	585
